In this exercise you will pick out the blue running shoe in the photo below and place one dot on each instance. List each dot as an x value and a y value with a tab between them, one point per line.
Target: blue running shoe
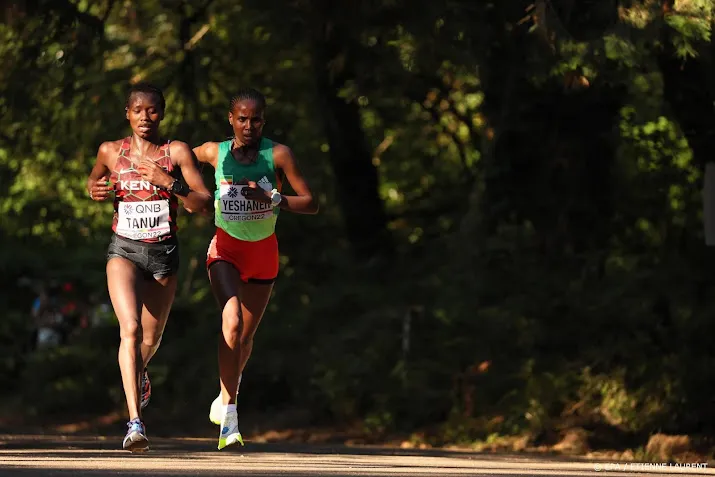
135	440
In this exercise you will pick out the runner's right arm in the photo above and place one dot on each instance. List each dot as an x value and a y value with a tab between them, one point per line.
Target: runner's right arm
98	181
207	153
199	199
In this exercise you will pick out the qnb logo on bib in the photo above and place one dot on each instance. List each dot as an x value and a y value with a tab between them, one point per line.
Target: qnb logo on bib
235	207
143	220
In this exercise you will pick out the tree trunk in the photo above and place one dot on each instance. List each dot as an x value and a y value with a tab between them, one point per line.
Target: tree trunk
357	183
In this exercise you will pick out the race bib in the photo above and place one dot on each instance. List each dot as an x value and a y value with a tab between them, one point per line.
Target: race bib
143	220
235	207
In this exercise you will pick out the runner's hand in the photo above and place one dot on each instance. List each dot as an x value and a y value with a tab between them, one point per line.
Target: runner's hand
100	190
154	173
253	192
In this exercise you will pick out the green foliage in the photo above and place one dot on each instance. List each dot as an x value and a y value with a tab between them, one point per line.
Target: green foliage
693	22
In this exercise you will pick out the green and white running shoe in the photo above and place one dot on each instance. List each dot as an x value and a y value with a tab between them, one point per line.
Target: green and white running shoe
229	431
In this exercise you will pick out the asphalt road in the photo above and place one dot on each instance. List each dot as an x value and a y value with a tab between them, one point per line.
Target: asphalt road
48	456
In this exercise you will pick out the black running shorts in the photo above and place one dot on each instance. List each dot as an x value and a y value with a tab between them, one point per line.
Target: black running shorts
154	260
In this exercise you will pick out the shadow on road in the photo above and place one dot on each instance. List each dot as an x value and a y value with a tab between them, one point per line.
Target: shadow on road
97	447
28	456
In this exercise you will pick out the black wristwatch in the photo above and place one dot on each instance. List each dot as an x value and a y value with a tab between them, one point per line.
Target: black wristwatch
179	188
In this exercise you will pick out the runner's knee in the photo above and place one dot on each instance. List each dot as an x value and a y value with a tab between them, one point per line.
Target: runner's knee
231	315
151	340
130	331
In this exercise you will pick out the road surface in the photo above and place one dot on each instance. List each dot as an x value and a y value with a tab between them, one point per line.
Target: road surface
57	456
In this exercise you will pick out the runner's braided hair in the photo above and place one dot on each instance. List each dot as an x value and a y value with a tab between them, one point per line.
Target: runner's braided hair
248	94
146	88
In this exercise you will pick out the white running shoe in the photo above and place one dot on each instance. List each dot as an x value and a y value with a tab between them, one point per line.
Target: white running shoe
216	411
229	431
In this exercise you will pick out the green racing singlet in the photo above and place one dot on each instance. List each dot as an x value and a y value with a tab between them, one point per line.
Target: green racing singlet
238	216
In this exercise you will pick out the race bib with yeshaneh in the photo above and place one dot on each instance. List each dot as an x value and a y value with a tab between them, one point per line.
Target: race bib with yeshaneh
235	207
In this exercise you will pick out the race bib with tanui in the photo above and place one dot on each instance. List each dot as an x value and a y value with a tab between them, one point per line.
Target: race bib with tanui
143	220
236	208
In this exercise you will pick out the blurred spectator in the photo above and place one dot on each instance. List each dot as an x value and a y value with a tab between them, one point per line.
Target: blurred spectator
46	318
58	314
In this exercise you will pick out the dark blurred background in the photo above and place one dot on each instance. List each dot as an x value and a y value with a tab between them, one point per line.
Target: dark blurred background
511	239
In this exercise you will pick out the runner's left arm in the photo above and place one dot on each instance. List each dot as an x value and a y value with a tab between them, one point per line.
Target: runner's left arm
302	202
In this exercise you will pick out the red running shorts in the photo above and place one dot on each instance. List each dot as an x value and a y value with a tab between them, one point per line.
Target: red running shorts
256	262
